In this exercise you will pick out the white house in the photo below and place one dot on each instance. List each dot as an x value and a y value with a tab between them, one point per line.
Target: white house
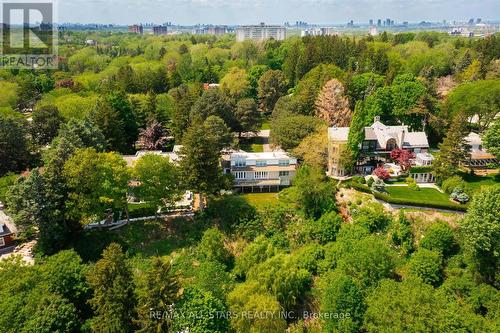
261	171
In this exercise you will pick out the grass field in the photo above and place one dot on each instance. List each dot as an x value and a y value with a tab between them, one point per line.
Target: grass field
259	200
475	182
425	195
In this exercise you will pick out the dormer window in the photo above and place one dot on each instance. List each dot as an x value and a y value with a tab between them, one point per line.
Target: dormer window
391	144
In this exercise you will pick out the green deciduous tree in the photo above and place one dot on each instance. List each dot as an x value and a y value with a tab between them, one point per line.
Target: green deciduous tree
340	295
272	85
96	182
213	102
236	83
491	139
288	132
247	116
45	124
439	237
426	265
199	311
481	230
158	180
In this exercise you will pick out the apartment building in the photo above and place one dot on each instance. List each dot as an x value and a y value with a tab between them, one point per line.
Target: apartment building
136	29
260	172
160	30
260	32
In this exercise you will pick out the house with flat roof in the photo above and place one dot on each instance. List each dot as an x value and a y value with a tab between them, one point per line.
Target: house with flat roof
260	172
378	142
173	155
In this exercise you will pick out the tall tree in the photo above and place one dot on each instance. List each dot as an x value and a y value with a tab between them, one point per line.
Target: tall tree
159	292
14	145
110	123
247	116
452	151
122	105
218	130
272	85
481	231
214	102
96	182
184	99
199	166
45	124
113	300
332	105
236	83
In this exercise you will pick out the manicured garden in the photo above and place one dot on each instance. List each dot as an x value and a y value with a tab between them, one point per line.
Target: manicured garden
425	195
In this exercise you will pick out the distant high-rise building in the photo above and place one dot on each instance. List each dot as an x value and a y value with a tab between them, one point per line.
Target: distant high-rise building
136	29
388	22
260	32
371	22
160	30
379	23
478	20
471	21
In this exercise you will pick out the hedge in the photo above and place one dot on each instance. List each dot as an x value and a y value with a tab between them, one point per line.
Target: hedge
421	169
409	202
356	186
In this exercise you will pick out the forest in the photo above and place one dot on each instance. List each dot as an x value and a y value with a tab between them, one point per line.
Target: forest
316	257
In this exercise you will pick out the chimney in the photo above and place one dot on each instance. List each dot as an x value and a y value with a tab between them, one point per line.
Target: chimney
376	118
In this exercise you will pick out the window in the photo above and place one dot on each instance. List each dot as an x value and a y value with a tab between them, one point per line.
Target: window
261	163
240	175
240	163
2	241
284	173
261	175
284	162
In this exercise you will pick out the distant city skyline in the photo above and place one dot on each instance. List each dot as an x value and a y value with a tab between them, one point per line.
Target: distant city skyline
234	12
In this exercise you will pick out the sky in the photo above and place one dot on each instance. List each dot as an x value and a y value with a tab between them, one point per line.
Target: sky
235	12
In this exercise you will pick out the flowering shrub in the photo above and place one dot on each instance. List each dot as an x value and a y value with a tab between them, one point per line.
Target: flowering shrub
381	173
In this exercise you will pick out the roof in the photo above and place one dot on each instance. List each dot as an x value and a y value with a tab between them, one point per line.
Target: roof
260	156
382	134
338	133
173	155
473	139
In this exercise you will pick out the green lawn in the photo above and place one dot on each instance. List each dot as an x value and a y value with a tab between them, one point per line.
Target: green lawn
265	125
475	182
429	195
259	200
253	145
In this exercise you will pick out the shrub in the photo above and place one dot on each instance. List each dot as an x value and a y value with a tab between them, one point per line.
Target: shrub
378	185
326	228
426	265
411	202
452	183
439	237
359	179
370	181
412	184
372	216
459	195
381	173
